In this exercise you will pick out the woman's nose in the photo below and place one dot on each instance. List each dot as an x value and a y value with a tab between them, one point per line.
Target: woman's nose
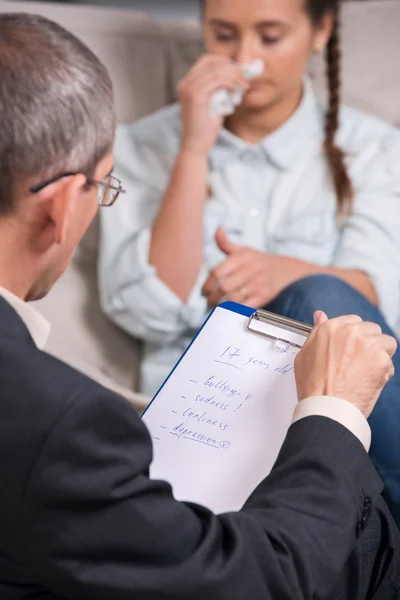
246	52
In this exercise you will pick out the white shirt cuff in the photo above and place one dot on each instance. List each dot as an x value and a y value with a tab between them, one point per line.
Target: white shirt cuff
338	410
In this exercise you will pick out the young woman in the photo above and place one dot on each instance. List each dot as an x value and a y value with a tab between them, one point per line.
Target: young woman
288	203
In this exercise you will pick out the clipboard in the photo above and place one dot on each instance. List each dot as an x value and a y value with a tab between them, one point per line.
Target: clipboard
220	418
289	325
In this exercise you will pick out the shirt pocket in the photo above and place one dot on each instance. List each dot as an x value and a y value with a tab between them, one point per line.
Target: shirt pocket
312	237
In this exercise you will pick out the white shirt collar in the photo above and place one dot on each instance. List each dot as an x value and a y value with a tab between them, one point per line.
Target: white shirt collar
37	325
284	146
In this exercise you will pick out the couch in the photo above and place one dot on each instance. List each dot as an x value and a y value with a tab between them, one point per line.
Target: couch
146	59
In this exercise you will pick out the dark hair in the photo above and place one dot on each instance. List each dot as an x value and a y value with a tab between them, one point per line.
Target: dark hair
56	104
318	9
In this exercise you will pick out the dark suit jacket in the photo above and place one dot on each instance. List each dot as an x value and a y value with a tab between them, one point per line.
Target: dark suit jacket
80	518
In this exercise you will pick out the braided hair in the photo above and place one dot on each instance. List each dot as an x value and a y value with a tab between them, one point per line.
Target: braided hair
318	9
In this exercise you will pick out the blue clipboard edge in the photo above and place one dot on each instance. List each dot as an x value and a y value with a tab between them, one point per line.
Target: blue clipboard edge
239	309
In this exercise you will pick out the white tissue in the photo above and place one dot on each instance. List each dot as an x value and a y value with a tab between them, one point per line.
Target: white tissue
223	102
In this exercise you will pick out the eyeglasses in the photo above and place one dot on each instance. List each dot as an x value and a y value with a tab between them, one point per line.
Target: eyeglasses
108	190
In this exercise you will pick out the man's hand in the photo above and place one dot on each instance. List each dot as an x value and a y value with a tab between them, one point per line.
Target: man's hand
347	358
248	276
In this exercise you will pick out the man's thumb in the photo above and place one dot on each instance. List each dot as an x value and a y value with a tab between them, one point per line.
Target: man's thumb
319	318
223	243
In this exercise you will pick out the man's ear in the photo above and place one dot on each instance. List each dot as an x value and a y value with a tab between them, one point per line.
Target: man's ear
60	200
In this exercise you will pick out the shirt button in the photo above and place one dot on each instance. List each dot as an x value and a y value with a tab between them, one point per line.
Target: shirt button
254	212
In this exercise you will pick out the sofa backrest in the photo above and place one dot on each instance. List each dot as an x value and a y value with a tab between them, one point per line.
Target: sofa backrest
371	54
133	45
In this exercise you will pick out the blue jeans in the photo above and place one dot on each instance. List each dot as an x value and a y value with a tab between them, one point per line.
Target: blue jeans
336	298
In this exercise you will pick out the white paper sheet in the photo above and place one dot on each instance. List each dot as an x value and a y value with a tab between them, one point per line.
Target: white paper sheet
220	420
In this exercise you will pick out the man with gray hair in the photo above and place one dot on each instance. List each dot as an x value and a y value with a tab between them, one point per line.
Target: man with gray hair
80	517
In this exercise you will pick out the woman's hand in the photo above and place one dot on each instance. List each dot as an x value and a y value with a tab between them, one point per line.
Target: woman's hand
200	128
255	278
250	277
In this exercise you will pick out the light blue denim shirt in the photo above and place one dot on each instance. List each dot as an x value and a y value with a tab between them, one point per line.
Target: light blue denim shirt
276	196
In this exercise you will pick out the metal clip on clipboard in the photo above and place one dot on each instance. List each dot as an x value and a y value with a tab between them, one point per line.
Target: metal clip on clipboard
263	316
